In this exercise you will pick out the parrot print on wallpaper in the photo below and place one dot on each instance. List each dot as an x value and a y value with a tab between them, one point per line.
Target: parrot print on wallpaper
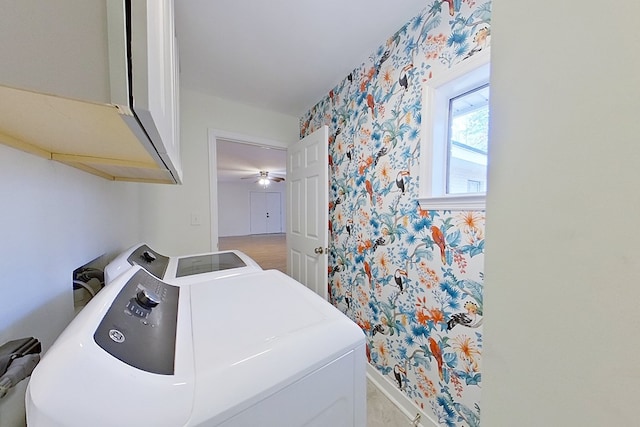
411	278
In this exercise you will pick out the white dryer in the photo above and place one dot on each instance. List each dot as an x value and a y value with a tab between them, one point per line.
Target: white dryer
254	349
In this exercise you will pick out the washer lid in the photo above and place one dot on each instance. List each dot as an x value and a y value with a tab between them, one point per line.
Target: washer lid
258	332
240	317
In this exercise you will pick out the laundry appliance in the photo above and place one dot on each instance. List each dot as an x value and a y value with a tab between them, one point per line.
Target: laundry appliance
251	349
182	269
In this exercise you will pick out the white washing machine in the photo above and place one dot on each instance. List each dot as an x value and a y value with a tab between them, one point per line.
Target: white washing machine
253	349
182	269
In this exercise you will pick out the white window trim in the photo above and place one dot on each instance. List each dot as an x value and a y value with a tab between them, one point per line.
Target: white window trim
466	75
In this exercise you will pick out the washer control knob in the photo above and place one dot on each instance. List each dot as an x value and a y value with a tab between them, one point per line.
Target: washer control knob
147	298
148	256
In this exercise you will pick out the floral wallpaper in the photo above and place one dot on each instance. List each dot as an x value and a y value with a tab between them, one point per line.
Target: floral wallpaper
411	278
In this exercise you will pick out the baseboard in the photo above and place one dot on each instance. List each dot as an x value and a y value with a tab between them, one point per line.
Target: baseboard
402	402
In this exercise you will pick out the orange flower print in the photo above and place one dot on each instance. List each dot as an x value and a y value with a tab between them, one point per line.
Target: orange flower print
385	173
436	315
427	277
383	263
421	302
457	385
424	383
467	350
363	298
471	3
432	314
471	223
365	217
364	245
424	282
382	350
364	164
434	45
422	317
387	78
361	321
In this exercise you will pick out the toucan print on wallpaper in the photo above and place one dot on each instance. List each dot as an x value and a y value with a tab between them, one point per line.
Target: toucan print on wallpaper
411	278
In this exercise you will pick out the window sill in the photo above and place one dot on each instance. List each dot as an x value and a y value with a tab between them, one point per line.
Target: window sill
475	202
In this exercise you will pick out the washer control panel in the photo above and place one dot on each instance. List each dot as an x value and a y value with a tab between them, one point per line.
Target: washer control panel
150	260
140	326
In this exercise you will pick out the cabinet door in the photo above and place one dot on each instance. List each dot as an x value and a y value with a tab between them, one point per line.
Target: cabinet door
55	47
155	80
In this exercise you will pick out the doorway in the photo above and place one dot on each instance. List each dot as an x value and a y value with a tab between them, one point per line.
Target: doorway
238	173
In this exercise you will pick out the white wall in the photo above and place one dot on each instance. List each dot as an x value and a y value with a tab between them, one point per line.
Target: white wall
562	271
234	211
53	219
170	208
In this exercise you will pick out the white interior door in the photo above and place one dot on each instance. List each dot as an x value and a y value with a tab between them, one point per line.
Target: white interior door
307	210
258	207
266	214
274	212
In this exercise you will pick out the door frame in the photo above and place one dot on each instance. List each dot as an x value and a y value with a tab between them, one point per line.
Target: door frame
213	136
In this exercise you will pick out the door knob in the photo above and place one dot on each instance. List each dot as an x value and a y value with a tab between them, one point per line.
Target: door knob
318	250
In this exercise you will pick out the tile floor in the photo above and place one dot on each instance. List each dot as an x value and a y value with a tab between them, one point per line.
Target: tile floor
381	412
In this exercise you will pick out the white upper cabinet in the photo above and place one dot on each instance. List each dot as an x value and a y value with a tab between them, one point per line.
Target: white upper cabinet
94	84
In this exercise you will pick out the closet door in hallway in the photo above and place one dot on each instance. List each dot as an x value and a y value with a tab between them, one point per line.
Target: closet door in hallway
266	212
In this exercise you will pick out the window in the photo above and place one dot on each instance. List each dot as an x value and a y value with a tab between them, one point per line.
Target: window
467	142
455	138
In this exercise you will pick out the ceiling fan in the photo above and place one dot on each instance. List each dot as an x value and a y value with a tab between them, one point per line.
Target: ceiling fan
263	178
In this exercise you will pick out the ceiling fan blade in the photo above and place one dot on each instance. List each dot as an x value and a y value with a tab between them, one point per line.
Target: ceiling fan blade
267	175
250	176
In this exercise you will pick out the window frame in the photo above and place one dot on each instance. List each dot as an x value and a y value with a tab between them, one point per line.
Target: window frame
464	76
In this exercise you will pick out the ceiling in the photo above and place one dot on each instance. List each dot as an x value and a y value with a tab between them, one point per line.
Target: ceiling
280	55
238	161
